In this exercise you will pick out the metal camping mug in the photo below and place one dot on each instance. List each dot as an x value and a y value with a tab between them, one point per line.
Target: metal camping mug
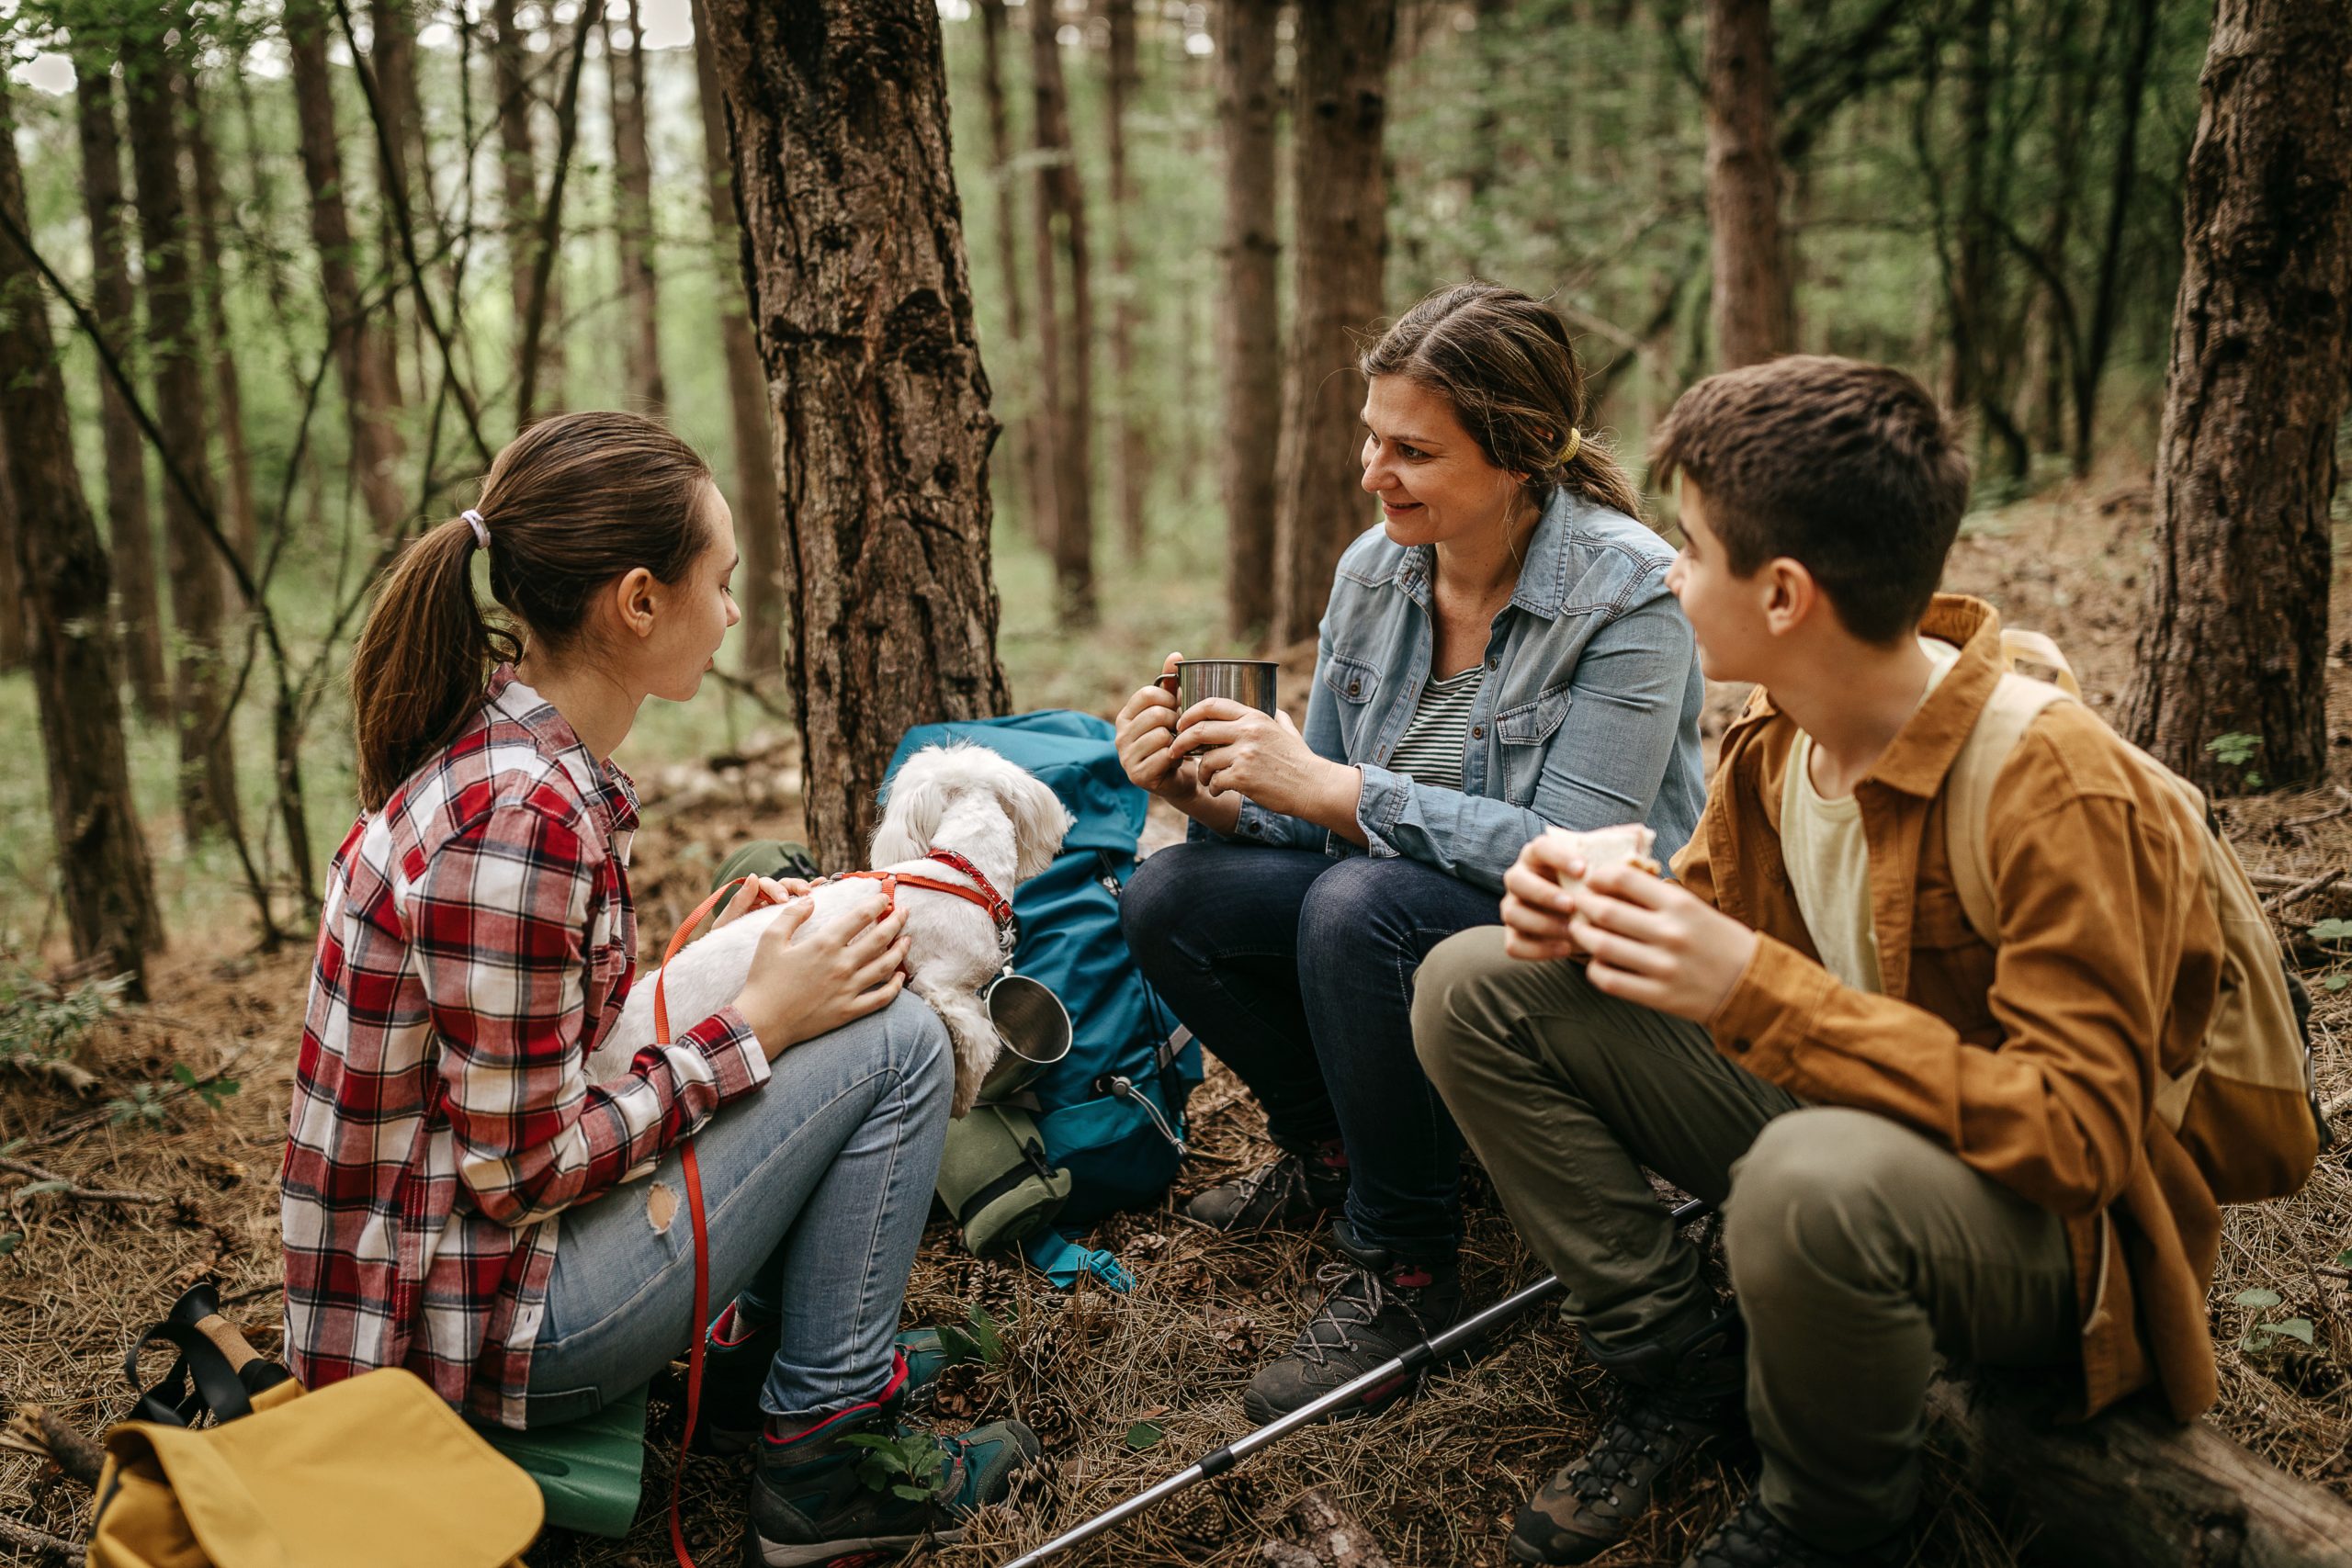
1250	682
1034	1027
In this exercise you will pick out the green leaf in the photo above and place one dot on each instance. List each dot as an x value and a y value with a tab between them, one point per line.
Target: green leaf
959	1346
9	1240
911	1494
2255	1339
2294	1328
2337	930
2344	1258
2257	1298
985	1336
183	1074
1142	1435
42	1189
2234	749
2337	981
871	1440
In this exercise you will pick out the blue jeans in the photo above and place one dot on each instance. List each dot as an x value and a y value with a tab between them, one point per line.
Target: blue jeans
816	1190
1297	971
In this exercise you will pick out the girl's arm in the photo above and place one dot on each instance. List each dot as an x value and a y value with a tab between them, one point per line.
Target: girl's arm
498	920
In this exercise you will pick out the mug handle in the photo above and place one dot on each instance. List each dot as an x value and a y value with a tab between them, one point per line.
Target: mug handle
1167	684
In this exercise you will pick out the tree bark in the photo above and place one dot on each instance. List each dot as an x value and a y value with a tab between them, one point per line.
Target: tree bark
1340	241
1248	326
519	207
130	524
109	893
1328	1536
1066	378
759	530
856	268
207	783
1036	489
1755	312
220	346
2107	302
16	613
359	358
633	212
2233	626
1131	461
392	56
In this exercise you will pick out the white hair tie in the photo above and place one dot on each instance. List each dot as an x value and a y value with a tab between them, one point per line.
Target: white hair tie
481	529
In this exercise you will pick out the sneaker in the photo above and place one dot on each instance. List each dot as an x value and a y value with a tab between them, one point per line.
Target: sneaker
859	1481
1687	1396
1752	1537
1370	1315
1294	1192
735	1361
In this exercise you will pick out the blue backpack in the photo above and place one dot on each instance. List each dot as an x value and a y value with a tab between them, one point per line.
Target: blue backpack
1111	1112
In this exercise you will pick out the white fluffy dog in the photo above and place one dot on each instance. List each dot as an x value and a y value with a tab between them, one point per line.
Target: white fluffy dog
961	798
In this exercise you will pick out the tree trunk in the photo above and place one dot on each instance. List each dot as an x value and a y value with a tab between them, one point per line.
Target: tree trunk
130	524
102	864
2234	627
16	613
359	360
1755	314
633	212
1036	489
1340	241
1250	359
392	56
207	783
759	531
1061	216
518	164
2107	303
840	117
1131	462
220	346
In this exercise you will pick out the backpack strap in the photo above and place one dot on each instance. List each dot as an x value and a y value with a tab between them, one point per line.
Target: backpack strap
2017	701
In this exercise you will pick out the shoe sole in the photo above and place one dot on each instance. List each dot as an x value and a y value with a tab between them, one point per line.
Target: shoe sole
762	1553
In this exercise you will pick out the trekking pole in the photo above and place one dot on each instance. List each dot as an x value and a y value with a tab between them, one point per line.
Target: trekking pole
1411	1361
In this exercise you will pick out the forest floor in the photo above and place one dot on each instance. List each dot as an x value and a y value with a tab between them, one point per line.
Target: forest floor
1097	1373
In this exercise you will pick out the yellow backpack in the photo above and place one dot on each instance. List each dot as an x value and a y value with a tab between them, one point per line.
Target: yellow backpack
2247	1108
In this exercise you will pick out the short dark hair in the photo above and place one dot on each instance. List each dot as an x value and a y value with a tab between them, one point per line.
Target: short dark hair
1851	470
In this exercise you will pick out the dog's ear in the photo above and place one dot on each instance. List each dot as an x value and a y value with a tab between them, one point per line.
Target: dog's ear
1038	825
911	813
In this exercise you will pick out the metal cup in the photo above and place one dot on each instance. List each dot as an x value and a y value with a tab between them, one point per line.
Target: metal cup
1250	682
1034	1027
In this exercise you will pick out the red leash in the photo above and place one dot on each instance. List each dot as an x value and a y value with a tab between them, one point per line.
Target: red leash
1000	910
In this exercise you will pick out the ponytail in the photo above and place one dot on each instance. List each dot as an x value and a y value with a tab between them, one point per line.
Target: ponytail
423	661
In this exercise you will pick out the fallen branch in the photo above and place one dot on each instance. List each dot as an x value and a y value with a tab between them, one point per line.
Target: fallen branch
68	1075
39	1430
2336	1107
2302	890
171	1089
2342	805
46	1183
45	1546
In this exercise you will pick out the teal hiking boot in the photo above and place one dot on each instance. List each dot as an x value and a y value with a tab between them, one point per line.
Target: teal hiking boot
735	1360
862	1483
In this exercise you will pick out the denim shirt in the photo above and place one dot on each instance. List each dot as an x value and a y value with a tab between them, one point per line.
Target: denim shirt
1588	714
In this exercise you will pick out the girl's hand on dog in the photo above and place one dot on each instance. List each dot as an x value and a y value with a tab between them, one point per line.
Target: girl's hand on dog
1145	727
841	968
758	893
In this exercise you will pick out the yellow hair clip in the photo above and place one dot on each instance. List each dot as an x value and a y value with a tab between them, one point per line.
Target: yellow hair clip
1569	453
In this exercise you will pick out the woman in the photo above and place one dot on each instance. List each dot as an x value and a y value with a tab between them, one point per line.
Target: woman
454	1197
1500	654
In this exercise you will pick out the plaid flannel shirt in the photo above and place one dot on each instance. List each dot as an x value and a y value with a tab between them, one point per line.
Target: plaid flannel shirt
476	939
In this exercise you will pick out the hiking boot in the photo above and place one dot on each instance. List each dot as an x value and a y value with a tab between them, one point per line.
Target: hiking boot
859	1481
1292	1192
1687	1395
1752	1537
735	1360
1370	1316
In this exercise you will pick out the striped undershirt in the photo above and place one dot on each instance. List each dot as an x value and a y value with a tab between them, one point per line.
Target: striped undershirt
1429	752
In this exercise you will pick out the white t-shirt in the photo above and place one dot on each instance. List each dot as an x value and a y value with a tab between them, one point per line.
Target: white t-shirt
1829	859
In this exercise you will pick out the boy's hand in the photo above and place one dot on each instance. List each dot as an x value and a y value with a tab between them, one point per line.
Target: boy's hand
1536	908
1656	943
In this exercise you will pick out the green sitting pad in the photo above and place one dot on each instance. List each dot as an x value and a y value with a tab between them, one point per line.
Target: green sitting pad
591	1472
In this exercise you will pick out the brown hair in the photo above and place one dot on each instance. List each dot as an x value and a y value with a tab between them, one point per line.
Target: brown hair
572	503
1850	469
1505	360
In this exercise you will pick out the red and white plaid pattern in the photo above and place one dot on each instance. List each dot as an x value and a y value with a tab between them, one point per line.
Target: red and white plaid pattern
477	937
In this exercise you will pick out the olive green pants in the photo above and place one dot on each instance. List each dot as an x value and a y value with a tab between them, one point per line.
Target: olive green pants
1857	1248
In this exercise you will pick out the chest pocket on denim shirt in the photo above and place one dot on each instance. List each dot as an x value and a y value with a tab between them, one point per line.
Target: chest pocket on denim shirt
1526	733
1353	682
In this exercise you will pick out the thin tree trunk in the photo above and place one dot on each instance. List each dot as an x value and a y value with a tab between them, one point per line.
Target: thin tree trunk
633	212
1754	313
1037	490
109	893
518	164
840	116
220	345
15	612
1131	461
546	239
2233	626
2106	302
759	529
207	783
1340	241
1249	325
359	361
392	55
1061	218
130	524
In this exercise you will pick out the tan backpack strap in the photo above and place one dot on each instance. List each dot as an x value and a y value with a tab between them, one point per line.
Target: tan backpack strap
2007	713
2034	647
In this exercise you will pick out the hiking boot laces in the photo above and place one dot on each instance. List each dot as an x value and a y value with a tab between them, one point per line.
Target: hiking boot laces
1600	1479
1752	1537
1356	1299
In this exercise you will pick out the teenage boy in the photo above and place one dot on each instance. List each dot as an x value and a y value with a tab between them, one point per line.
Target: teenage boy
1923	1143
